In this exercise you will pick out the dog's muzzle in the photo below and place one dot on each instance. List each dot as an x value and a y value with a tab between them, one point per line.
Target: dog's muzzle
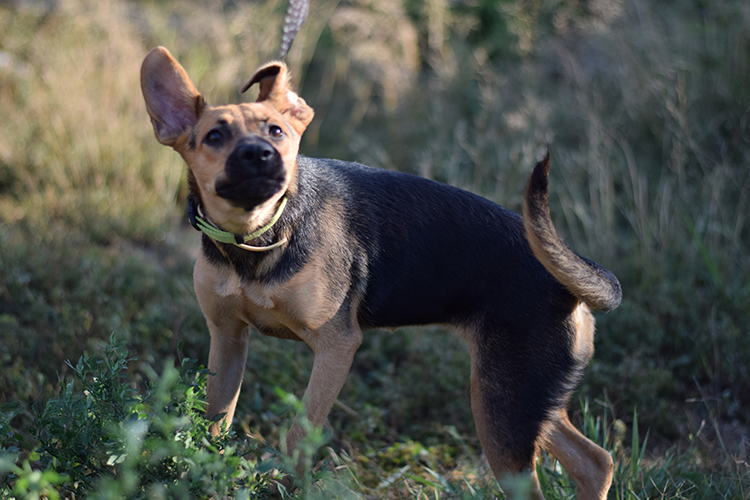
253	173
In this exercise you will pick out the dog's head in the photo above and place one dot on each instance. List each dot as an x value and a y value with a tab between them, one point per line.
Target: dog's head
242	157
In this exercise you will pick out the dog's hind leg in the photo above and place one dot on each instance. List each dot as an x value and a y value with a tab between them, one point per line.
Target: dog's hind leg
508	461
589	465
508	443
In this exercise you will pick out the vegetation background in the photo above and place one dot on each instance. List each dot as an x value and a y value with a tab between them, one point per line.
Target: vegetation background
644	106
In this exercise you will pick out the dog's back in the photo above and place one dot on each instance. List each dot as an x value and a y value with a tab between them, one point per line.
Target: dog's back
433	253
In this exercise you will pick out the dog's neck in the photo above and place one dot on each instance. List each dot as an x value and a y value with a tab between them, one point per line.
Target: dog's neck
200	221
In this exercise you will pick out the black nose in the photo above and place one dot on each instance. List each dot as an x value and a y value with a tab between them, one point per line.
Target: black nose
255	152
254	158
253	173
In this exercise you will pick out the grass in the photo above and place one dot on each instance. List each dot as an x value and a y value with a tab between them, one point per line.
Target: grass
102	438
643	105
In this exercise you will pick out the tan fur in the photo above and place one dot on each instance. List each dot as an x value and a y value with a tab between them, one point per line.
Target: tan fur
557	259
590	466
583	346
591	283
302	303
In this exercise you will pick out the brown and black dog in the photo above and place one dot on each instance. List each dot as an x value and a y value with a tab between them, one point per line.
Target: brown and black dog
320	250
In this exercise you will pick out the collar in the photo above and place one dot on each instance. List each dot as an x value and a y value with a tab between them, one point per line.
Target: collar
201	223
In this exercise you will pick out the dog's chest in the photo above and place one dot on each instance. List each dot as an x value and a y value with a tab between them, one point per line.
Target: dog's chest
304	302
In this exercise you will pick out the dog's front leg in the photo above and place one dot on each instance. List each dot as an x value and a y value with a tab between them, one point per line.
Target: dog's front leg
226	361
334	347
221	305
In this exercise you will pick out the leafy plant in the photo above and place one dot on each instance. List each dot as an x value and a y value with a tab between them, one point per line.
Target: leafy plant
100	438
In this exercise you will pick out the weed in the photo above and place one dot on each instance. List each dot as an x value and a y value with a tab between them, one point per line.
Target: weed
100	438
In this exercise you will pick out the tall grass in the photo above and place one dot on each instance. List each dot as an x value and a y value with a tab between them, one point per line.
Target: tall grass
644	106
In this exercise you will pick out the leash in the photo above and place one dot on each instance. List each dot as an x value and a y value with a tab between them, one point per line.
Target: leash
296	13
201	223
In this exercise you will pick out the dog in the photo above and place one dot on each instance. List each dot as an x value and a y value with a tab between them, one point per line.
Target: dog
319	250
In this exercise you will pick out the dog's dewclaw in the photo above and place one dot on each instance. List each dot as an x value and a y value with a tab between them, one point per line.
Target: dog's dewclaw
296	14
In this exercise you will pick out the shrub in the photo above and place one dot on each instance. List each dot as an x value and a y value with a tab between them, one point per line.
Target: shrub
100	438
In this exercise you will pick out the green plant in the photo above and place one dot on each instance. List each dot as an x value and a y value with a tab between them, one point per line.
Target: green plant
101	439
23	482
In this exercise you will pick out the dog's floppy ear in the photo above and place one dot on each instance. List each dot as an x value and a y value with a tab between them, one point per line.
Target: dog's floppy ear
275	89
171	99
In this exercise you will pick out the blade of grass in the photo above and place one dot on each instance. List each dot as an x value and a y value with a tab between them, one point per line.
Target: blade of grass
634	458
705	254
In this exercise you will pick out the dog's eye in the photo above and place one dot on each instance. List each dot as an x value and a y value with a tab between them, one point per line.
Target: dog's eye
275	131
214	137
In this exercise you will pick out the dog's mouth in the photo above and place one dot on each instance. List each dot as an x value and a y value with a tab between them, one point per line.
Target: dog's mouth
254	172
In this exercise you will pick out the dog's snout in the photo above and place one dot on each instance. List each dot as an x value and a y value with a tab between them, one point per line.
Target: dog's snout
253	157
255	152
254	172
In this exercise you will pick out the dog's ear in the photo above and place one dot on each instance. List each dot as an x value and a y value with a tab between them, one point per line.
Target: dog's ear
171	99
276	89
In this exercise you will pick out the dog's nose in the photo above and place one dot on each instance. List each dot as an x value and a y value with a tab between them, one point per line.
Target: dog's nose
253	173
255	152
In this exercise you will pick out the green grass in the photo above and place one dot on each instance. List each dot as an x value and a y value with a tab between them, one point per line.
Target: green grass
101	437
643	105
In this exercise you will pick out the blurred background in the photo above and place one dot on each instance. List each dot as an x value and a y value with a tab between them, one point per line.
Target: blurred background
643	105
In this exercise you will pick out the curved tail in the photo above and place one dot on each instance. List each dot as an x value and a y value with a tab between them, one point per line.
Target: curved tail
590	282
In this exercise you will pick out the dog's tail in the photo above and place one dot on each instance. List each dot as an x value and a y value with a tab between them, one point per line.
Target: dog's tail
590	282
